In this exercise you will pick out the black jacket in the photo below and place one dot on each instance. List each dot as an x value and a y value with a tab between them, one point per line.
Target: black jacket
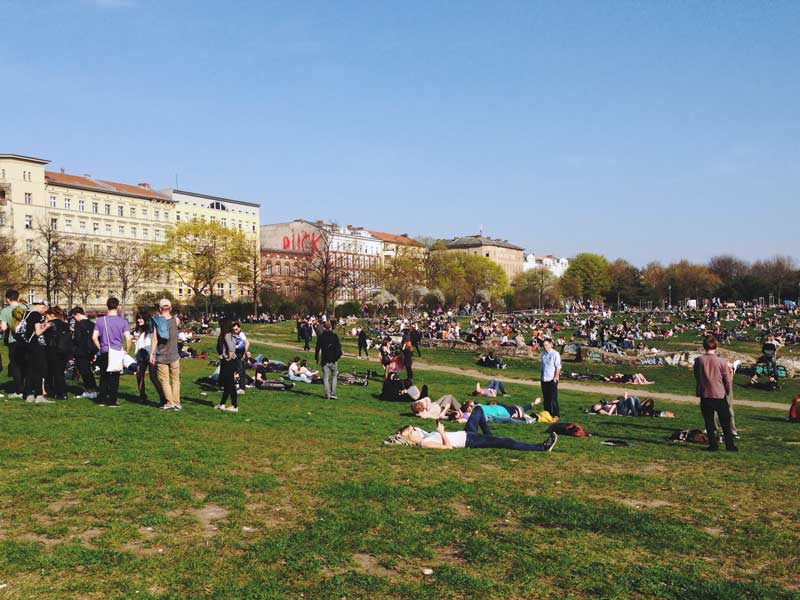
328	344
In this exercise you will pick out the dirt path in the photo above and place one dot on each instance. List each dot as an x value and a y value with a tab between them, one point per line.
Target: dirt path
599	388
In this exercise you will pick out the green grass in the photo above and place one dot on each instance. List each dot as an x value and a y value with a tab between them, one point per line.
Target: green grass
295	497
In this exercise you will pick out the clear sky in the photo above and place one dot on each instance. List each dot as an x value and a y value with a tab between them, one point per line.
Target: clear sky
648	130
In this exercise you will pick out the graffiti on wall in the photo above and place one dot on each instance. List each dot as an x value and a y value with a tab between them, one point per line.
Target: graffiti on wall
302	241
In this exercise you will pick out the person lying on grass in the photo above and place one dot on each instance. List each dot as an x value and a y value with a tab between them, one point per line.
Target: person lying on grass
491	390
444	440
635	379
503	413
425	408
629	406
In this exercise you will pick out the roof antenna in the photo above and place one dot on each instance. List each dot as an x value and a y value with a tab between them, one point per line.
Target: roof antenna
176	182
481	229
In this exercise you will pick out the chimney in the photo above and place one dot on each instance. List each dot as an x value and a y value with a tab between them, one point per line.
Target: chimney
403	235
62	170
144	185
87	175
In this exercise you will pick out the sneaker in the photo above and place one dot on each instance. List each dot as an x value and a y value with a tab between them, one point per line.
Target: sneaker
15	395
219	407
240	392
114	405
551	442
232	409
334	398
166	407
43	400
177	407
30	398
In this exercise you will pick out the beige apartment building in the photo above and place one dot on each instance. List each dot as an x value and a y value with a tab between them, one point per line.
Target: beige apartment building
394	244
502	252
99	215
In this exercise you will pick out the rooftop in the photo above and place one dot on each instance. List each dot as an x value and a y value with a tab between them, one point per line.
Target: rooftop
87	182
476	241
207	197
41	161
393	238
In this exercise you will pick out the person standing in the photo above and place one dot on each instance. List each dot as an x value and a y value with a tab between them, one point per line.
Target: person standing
16	358
551	371
407	351
36	352
111	332
164	354
306	333
362	342
330	349
228	359
143	336
242	353
713	384
58	340
416	338
84	351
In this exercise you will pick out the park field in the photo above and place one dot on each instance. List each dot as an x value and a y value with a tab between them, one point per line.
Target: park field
297	497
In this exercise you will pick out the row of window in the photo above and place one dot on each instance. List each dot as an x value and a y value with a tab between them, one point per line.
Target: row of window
288	269
122	231
212	219
132	211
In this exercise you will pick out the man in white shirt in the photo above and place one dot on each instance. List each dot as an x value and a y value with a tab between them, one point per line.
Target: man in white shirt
551	371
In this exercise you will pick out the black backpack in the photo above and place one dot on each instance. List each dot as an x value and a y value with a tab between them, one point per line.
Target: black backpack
20	333
62	338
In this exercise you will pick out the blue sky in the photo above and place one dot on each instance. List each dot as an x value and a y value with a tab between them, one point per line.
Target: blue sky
651	131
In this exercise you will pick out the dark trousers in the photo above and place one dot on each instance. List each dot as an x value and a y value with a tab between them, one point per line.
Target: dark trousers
56	385
476	440
408	361
36	370
307	343
416	347
16	366
364	348
109	382
550	397
709	406
143	367
241	366
227	369
84	366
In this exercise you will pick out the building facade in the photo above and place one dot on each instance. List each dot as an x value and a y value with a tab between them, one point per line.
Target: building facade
284	271
98	217
356	253
556	266
394	244
502	252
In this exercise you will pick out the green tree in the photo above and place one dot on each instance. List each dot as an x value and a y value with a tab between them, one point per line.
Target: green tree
587	277
535	288
200	255
624	282
480	274
402	275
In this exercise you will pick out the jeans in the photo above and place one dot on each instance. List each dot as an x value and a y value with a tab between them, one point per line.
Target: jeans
16	366
709	407
170	378
241	366
227	370
628	407
476	440
56	363
109	382
477	419
143	367
550	393
496	385
330	372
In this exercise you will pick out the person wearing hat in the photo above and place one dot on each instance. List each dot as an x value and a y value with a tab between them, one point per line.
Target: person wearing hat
35	326
164	354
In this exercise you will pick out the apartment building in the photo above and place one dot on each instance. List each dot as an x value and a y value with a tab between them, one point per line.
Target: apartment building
502	252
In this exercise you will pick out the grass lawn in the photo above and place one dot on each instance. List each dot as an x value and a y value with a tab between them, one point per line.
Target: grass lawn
674	380
295	497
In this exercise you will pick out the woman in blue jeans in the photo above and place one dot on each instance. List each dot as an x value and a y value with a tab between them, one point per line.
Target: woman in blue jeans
469	438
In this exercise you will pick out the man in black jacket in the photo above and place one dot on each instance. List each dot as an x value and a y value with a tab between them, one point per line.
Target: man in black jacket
84	350
328	344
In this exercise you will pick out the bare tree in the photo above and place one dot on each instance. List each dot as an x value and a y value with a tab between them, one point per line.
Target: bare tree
12	271
326	273
47	259
130	267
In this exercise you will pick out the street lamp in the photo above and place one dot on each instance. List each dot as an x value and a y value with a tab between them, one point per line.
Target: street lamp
669	303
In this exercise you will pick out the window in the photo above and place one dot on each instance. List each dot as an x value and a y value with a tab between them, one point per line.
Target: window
185	215
52	201
145	233
158	234
95	207
108	209
286	270
3	173
53	224
68	225
240	226
30	292
82	226
180	290
2	218
254	228
121	211
28	198
220	288
96	229
81	204
108	228
177	216
122	230
223	221
166	215
156	214
268	270
277	269
277	288
68	203
295	270
230	289
133	212
28	245
133	232
144	213
213	219
96	249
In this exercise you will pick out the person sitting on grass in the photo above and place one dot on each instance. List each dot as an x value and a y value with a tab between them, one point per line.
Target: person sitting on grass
262	383
469	438
294	371
491	361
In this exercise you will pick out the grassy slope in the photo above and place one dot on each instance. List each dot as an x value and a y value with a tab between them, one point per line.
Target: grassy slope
295	497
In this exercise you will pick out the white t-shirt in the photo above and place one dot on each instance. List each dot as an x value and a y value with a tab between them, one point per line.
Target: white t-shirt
458	439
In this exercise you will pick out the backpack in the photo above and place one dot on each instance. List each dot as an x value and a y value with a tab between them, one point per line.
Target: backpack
794	410
63	338
21	329
161	326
